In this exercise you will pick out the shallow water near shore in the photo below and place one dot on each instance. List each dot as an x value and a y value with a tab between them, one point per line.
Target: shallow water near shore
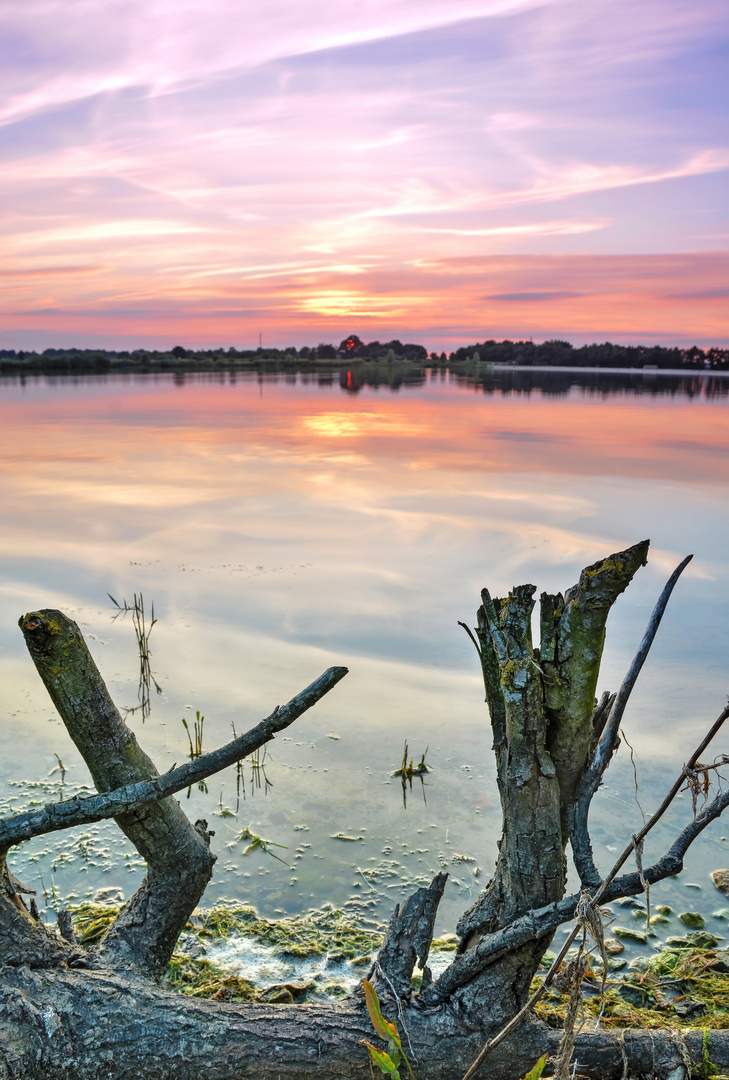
281	525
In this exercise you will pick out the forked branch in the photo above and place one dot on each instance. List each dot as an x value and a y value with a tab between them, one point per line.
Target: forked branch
177	853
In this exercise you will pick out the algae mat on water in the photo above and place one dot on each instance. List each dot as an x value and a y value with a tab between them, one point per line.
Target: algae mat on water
319	955
678	987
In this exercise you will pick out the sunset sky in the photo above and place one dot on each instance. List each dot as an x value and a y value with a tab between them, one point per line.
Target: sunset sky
180	172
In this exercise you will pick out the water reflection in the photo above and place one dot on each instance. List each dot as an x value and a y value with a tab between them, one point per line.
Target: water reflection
283	526
485	378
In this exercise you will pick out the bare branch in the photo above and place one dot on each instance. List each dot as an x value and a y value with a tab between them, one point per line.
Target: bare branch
579	812
604	748
82	810
468	630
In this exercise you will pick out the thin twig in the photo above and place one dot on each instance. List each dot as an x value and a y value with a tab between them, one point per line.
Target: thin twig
468	630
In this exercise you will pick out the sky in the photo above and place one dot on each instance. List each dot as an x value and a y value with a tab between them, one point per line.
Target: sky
442	172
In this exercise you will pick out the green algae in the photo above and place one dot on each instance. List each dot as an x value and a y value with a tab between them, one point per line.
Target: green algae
318	932
686	987
324	932
197	977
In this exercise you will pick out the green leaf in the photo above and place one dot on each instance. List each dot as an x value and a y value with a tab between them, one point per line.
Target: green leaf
383	1028
381	1058
538	1069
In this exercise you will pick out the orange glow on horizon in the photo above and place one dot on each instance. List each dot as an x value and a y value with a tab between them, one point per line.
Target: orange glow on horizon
441	303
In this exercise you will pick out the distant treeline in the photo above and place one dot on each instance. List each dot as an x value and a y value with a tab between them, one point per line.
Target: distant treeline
353	349
563	354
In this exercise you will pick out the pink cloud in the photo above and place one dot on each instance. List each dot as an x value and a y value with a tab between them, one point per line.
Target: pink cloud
317	164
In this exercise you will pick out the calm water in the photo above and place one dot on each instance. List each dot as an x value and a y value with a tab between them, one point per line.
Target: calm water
281	525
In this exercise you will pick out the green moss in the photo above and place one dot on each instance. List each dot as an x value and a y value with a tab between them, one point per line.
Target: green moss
706	1068
609	564
318	932
510	672
447	944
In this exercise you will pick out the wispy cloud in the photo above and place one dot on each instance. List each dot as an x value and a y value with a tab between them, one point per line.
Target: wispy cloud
316	164
547	228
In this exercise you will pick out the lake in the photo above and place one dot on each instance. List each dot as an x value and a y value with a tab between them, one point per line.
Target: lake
284	523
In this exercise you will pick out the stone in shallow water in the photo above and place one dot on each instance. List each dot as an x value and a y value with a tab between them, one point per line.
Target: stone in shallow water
639	963
721	880
613	947
279	996
703	939
627	934
634	995
109	895
693	919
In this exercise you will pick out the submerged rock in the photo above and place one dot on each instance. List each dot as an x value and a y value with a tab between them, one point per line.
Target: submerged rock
693	919
627	934
721	880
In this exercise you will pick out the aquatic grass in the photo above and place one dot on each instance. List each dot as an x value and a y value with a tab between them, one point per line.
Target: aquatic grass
259	780
60	767
408	770
91	921
256	842
142	631
196	745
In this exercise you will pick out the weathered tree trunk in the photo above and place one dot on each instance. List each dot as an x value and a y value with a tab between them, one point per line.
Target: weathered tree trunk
66	1013
98	1025
541	703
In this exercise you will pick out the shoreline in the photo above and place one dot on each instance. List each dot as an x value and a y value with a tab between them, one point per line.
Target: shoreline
474	368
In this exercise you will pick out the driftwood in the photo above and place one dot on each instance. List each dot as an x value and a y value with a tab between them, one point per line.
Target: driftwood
66	1012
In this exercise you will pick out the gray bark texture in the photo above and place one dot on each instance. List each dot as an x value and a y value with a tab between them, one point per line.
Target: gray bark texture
70	1013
